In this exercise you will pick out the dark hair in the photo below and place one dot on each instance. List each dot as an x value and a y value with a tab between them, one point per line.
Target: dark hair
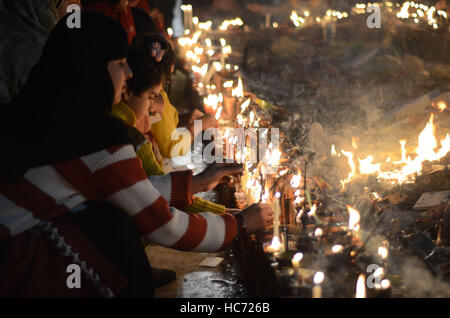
147	72
68	95
145	42
151	72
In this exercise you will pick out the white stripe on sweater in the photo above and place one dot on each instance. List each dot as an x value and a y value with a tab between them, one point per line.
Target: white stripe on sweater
171	232
48	180
164	185
14	217
215	233
136	197
102	159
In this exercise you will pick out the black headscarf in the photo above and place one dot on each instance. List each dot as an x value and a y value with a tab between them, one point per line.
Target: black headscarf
63	110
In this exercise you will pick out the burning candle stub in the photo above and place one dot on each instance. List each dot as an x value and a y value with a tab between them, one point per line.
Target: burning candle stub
296	260
318	280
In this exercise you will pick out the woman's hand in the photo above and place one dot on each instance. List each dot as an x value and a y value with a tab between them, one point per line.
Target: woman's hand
213	175
257	217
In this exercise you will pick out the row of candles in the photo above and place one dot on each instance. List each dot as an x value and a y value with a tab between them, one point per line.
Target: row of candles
207	59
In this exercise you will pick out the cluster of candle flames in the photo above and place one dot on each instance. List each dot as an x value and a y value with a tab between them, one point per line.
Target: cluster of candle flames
400	171
408	10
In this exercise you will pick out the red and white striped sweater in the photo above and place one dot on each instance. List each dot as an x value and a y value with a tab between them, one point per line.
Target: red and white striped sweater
114	175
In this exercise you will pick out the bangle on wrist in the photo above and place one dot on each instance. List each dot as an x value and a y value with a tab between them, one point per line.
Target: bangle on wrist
241	225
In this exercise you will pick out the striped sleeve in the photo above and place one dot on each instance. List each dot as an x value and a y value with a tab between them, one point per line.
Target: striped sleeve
119	178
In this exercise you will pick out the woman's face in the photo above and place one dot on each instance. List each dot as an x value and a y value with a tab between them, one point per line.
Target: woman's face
142	104
120	72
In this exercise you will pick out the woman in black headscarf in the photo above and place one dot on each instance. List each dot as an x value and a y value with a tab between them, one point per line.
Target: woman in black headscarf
68	96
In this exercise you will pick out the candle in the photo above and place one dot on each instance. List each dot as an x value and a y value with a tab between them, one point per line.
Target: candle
267	24
317	289
361	286
276	214
296	260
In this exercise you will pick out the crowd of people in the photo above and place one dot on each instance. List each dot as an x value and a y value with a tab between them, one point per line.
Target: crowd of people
87	122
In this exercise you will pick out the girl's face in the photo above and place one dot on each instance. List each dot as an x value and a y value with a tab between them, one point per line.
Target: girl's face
141	105
120	72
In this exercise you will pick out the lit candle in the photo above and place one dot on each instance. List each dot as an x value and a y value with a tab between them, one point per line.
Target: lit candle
317	289
296	260
361	286
276	214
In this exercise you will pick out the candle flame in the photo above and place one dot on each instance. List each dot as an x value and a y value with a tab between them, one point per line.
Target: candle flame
276	244
296	259
383	252
354	218
239	90
319	278
295	181
337	249
333	150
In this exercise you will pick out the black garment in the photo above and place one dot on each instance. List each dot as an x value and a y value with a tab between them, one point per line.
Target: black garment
116	236
142	21
63	110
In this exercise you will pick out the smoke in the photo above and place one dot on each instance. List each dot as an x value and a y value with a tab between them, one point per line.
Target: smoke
419	282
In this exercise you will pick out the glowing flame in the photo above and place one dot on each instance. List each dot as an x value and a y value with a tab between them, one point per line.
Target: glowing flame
319	278
296	259
337	249
355	142
276	244
228	84
333	150
367	167
361	286
385	284
441	106
227	23
295	181
351	163
318	232
383	252
354	218
239	90
219	112
313	210
245	105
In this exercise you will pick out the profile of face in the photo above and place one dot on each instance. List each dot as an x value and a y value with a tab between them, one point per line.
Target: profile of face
143	104
120	72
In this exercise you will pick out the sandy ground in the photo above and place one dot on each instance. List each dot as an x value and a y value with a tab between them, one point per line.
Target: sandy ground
194	281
